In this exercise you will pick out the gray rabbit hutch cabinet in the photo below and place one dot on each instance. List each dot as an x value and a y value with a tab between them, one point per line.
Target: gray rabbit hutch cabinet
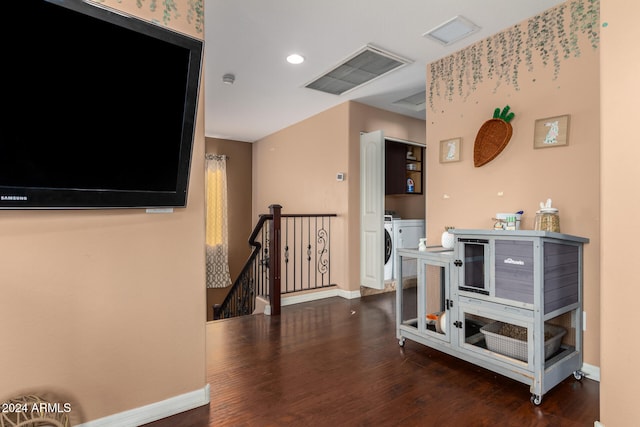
508	301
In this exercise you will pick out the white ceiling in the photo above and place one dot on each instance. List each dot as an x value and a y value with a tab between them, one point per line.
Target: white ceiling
251	39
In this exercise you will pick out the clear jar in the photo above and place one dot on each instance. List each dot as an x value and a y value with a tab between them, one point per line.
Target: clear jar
547	220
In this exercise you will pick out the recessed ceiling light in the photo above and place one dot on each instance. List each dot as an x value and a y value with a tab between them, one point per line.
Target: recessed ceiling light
295	59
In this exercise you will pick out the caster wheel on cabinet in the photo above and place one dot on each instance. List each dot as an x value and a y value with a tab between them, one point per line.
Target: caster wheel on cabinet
401	342
578	375
536	400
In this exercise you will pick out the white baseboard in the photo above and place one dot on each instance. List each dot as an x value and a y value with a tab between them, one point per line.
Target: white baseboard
154	411
313	296
591	372
349	294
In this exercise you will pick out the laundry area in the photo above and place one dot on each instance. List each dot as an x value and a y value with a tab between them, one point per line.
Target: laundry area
404	219
400	233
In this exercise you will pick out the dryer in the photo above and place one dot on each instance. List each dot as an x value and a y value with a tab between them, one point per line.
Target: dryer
406	234
389	253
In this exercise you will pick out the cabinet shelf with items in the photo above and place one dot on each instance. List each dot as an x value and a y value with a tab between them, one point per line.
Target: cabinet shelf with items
404	162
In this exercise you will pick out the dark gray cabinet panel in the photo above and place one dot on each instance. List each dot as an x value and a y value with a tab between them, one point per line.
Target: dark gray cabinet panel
514	270
561	275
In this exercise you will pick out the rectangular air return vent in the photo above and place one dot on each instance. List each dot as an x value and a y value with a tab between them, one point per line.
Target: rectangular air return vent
453	30
367	64
415	102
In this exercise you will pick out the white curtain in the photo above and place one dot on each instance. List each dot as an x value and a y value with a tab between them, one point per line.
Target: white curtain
217	238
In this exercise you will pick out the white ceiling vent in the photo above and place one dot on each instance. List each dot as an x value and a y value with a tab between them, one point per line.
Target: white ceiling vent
367	64
415	102
453	30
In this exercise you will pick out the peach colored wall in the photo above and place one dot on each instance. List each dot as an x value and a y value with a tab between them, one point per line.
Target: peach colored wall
465	196
239	191
102	306
297	167
407	206
620	68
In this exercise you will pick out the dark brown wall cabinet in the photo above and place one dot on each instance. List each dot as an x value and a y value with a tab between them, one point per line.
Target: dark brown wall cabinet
403	162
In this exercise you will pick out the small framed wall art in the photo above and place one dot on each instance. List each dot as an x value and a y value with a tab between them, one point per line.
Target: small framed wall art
450	150
551	132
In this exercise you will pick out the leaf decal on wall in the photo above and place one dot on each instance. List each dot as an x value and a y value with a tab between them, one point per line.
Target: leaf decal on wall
194	13
552	36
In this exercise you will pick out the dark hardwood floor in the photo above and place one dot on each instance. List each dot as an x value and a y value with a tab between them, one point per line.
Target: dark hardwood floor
337	362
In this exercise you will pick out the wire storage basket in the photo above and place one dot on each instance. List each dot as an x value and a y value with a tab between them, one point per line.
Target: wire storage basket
514	342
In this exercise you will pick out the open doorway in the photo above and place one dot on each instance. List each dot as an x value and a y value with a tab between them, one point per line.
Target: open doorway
241	222
392	183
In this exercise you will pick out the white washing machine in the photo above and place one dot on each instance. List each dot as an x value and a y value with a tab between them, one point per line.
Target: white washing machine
406	234
389	254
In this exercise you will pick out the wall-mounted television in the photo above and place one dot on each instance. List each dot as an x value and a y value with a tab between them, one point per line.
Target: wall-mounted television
99	108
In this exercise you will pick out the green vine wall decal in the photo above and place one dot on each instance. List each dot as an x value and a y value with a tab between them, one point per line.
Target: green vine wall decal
169	9
552	36
194	14
477	52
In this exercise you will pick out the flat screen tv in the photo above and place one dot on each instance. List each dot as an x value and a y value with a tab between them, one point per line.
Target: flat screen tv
99	108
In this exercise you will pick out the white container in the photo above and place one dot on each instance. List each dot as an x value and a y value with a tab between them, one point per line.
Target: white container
447	240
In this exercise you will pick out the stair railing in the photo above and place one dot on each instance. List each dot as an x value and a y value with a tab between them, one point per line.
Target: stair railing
306	240
252	280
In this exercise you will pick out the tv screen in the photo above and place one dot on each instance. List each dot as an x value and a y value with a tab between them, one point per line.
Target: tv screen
99	109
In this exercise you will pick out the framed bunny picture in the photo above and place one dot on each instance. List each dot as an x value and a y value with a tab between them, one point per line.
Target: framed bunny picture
551	132
450	150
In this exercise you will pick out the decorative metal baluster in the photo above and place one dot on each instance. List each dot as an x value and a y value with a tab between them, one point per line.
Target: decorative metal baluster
254	279
264	265
295	232
323	262
309	253
286	255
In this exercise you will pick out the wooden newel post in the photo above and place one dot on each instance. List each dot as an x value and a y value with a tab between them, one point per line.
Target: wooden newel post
274	259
